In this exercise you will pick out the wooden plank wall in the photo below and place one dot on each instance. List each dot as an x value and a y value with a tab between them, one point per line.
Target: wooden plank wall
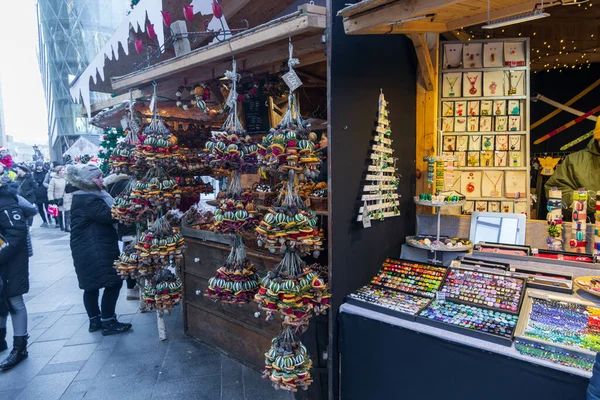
427	125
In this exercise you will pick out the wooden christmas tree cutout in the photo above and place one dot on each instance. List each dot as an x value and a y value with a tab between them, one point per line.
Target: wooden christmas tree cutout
380	196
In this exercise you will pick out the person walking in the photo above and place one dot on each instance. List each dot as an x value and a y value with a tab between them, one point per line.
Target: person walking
26	186
14	273
115	184
94	246
41	191
56	194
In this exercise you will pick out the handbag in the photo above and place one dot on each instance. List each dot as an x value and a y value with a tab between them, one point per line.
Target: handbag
53	210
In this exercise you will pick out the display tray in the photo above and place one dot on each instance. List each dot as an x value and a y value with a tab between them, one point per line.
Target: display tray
485	306
378	308
392	263
439	204
586	283
476	262
524	319
498	248
414	242
504	341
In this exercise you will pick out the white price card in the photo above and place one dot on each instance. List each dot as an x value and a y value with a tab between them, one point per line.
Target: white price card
292	80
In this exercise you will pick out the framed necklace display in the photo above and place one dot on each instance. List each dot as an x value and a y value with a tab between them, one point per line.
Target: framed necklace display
486	107
473	159
460	109
520	207
462	143
493	206
472	84
514	142
493	54
454	184
471	183
473	107
449	143
452	84
500	159
448	124
492	183
472	54
514	83
507	206
514	54
487	159
469	207
448	108
485	124
502	142
473	124
493	83
501	123
460	124
474	143
490	133
452	56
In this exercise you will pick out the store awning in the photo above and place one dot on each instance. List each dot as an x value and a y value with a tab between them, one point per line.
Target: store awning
260	49
426	16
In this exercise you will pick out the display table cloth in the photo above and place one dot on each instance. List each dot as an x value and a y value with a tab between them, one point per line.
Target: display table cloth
391	358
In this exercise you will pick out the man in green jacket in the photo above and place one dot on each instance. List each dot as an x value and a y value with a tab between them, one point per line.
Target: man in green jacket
579	170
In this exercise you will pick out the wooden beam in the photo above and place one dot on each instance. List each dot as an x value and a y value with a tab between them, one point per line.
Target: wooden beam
113	101
424	26
392	12
261	37
494	14
427	71
361	6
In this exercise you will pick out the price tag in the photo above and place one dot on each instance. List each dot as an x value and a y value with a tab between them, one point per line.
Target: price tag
440	296
292	80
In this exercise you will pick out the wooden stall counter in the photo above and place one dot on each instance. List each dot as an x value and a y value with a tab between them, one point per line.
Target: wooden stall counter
232	328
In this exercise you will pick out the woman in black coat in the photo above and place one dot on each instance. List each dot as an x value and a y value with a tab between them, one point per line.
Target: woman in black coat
26	186
94	247
41	191
14	271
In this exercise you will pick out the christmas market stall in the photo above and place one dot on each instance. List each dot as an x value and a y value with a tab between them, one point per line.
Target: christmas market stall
461	290
242	104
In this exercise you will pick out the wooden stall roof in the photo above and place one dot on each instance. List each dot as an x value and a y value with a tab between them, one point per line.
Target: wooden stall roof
425	16
260	49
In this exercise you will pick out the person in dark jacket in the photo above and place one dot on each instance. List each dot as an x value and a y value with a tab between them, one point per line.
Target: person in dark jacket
41	191
94	246
593	391
115	185
14	271
27	185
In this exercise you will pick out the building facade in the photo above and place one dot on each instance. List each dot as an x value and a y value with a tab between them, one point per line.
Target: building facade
71	33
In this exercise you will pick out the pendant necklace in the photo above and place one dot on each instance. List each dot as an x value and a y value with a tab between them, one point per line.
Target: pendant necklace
475	139
459	110
495	192
516	157
487	142
513	144
449	110
451	83
512	90
493	86
470	186
473	81
501	140
500	159
461	143
487	156
500	121
472	110
448	146
448	63
498	109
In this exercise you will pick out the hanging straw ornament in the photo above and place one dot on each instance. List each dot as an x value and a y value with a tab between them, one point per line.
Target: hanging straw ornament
163	292
160	246
287	363
236	281
292	290
133	123
127	206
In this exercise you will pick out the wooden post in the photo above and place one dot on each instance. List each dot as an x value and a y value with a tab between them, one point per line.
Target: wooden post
427	107
182	43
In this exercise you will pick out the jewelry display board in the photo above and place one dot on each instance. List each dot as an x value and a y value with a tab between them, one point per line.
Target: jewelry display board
484	121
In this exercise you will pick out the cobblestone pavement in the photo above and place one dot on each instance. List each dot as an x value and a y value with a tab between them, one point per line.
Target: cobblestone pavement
67	362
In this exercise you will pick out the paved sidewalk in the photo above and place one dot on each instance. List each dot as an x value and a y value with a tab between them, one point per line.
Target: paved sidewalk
67	362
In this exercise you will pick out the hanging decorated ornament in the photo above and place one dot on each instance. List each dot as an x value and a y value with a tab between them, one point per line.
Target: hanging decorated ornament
231	151
127	208
293	291
287	363
236	281
163	292
122	158
160	246
198	96
156	190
